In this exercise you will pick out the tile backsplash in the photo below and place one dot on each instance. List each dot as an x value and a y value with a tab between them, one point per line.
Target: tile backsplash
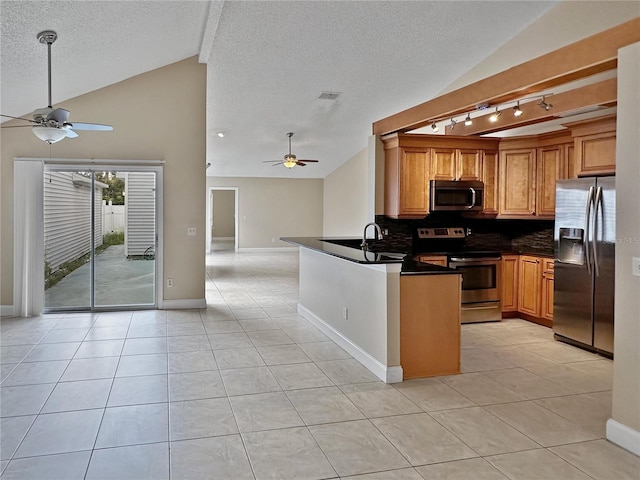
526	236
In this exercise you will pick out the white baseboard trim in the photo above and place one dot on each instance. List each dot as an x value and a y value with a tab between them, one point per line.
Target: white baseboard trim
222	238
384	373
267	249
6	310
186	304
623	436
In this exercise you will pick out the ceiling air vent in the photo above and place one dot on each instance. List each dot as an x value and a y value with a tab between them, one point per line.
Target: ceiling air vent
329	95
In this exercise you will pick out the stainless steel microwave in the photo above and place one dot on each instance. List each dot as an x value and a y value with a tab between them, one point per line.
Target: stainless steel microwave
456	196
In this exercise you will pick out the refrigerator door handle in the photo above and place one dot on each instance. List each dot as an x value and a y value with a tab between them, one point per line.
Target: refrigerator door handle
594	240
587	220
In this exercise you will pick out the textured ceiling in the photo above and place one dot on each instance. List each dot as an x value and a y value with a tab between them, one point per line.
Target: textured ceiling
268	62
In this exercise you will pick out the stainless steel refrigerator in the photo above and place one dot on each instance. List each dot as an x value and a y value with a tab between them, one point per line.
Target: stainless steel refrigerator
584	245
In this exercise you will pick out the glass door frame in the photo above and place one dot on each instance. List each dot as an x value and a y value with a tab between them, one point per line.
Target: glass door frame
57	165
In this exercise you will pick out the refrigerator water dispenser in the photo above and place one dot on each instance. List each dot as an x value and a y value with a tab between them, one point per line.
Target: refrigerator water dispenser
571	246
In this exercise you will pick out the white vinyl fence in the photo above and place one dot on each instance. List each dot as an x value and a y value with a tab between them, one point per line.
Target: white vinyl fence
112	217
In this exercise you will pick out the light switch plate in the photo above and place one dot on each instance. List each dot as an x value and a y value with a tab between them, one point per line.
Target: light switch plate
635	266
191	231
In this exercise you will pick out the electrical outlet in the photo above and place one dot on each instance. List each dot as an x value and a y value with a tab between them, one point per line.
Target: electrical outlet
169	282
345	313
191	231
635	266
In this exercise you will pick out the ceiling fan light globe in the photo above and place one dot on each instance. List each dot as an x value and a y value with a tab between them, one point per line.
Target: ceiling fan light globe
289	161
49	134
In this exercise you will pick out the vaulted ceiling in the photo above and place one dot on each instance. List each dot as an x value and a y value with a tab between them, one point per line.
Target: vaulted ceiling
268	62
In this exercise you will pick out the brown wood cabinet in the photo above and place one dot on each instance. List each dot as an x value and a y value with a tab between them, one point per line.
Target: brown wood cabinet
435	259
546	303
595	146
490	177
429	325
529	275
517	174
510	283
407	181
549	163
412	160
456	164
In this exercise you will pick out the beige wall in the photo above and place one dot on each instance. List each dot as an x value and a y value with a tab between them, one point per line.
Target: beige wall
270	208
567	22
137	108
345	197
626	381
224	213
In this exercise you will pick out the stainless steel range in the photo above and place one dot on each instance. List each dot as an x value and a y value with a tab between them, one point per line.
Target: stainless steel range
481	279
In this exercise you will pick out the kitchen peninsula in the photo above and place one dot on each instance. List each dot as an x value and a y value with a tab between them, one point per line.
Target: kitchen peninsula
399	318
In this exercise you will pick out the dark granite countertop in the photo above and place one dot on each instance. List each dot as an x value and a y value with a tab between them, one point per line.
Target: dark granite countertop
357	255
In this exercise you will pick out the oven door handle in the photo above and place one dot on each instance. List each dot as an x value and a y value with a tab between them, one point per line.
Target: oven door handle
474	260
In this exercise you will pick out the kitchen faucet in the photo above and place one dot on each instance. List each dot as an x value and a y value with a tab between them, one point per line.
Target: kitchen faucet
377	235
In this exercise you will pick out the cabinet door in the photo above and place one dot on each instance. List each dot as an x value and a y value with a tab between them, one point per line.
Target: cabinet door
490	179
529	285
596	154
468	164
569	161
510	283
549	163
414	183
435	259
517	183
546	304
443	164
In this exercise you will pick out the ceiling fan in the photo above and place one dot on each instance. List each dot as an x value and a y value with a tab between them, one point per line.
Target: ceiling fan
51	125
290	160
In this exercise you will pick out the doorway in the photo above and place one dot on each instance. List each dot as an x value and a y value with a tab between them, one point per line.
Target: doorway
100	238
222	219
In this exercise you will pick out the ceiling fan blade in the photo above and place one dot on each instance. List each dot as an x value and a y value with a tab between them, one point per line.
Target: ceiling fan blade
70	133
18	118
89	126
276	164
308	161
300	164
17	126
271	161
60	115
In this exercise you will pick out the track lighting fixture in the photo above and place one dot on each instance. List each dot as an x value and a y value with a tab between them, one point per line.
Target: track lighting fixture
494	116
468	121
516	110
545	105
434	127
452	124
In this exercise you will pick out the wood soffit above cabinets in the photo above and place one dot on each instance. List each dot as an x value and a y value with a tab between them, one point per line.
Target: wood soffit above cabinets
592	55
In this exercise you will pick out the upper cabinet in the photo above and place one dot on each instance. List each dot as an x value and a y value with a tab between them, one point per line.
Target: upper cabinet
595	147
456	164
413	160
517	174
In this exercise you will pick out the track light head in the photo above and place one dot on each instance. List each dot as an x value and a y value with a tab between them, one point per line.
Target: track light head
494	116
545	105
434	127
452	124
516	110
468	121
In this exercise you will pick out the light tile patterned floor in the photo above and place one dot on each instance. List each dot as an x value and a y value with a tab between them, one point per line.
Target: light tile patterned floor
249	389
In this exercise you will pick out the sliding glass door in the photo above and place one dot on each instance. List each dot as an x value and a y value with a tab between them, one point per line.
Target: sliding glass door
100	239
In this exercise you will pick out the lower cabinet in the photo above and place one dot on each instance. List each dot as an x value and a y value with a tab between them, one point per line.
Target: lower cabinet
510	283
546	304
527	287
